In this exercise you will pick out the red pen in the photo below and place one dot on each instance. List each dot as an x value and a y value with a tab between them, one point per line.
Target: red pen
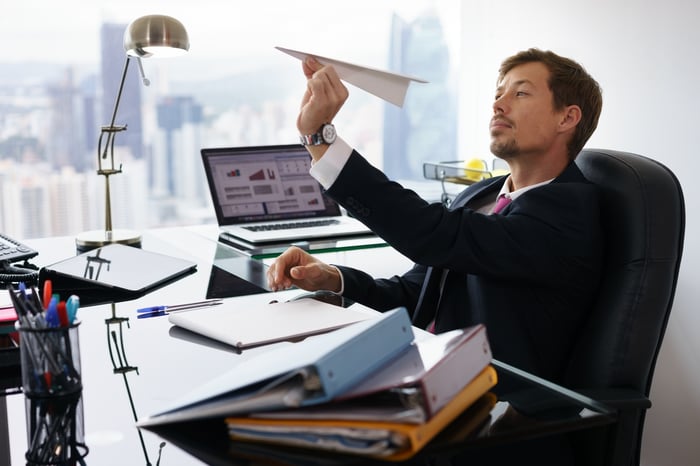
48	378
47	293
62	314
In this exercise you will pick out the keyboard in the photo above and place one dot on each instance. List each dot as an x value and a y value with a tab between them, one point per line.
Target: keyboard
292	225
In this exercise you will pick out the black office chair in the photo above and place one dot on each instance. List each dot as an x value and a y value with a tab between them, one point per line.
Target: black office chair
644	217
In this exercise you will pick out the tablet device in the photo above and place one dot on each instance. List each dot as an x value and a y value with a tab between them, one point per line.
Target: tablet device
113	273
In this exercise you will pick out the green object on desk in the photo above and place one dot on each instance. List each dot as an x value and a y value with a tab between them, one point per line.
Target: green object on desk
322	249
319	246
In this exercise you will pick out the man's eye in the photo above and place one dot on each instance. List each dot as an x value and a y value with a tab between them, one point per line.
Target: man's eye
521	93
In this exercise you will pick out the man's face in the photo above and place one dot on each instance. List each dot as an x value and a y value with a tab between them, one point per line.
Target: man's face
524	119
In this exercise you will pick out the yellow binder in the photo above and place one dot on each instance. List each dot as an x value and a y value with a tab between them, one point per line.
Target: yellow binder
387	440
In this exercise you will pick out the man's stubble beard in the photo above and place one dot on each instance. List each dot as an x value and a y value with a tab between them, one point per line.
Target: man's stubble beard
505	151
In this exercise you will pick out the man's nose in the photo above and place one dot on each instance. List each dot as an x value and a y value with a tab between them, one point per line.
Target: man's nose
499	105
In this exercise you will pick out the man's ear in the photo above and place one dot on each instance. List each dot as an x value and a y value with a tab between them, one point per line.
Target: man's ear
570	118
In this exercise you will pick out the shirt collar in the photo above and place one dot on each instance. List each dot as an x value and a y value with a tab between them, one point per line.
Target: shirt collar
505	189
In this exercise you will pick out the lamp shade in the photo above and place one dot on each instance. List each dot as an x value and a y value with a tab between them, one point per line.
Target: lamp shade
155	35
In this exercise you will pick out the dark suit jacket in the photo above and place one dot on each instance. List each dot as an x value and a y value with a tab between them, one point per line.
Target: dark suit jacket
529	274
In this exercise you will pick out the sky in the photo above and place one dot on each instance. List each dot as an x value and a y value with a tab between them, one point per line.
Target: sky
230	32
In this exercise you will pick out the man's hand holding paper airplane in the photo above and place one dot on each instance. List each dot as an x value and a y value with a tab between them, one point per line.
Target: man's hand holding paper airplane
324	97
391	87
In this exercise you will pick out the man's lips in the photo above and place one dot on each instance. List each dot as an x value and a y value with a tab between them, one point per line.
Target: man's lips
500	123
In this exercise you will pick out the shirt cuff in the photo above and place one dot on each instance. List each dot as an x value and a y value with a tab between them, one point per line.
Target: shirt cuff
327	169
342	280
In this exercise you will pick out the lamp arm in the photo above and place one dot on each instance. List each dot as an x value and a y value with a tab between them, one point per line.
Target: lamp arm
119	93
111	130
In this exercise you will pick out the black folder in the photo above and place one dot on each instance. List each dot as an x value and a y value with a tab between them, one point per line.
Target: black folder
113	273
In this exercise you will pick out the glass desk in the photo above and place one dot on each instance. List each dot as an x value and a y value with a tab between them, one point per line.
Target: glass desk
133	367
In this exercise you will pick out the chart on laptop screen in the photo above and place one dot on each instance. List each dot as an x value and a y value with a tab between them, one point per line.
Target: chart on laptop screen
257	186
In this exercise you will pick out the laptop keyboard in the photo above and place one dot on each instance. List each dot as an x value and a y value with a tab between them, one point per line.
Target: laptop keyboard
292	225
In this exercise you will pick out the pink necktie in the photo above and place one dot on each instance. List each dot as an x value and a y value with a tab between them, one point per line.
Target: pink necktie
501	203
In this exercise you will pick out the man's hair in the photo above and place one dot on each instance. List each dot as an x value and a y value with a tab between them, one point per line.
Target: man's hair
570	85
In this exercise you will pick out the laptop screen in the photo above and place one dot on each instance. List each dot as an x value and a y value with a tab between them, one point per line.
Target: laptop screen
265	183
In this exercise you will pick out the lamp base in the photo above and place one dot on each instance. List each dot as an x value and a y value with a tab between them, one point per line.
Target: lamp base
93	239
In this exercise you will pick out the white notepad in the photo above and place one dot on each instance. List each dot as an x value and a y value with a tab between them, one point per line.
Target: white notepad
254	321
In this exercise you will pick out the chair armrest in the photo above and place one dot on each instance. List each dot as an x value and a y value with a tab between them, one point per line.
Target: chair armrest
619	398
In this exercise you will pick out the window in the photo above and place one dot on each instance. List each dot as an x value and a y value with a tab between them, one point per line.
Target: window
59	80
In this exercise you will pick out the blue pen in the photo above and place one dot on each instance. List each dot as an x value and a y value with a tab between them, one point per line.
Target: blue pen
52	313
179	307
146	315
72	306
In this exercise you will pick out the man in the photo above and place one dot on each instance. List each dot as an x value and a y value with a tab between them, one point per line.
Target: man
529	273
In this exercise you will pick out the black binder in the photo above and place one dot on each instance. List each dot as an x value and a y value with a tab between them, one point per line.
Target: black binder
113	273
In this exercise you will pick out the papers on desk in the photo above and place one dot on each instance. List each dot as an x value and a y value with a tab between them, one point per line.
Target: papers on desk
389	86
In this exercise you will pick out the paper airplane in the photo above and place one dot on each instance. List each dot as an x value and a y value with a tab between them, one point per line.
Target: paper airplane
391	87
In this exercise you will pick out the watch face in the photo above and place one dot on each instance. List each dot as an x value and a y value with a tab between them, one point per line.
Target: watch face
328	133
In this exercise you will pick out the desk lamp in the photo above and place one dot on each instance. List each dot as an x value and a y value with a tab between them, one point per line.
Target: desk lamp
147	36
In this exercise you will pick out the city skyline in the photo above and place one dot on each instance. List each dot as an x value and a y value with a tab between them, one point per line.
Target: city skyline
179	117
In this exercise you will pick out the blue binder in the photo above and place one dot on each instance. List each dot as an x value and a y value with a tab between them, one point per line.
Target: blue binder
309	372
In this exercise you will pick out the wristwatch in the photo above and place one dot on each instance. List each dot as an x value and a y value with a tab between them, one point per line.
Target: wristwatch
325	135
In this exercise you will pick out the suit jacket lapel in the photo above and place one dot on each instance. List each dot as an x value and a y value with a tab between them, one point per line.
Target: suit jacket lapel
484	188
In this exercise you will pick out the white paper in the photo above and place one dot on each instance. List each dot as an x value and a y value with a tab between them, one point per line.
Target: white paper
389	86
244	326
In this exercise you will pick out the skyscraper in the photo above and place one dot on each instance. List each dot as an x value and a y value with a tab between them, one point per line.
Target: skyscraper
425	127
112	66
66	146
180	118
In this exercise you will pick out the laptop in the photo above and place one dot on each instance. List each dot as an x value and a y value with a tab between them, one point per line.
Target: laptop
265	195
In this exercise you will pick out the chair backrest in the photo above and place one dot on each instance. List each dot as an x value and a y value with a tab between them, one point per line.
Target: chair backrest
644	218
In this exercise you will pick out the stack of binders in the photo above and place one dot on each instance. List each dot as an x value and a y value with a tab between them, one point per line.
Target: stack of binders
369	389
393	413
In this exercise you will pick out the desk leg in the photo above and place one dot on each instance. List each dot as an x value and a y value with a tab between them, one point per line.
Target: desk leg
4	433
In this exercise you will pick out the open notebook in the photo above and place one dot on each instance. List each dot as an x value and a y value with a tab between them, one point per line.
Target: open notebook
265	195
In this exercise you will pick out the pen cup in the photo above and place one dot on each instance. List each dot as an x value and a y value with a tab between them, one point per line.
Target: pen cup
50	358
55	430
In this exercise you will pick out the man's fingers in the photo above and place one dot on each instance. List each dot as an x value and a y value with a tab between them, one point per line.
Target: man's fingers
310	65
298	272
278	273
